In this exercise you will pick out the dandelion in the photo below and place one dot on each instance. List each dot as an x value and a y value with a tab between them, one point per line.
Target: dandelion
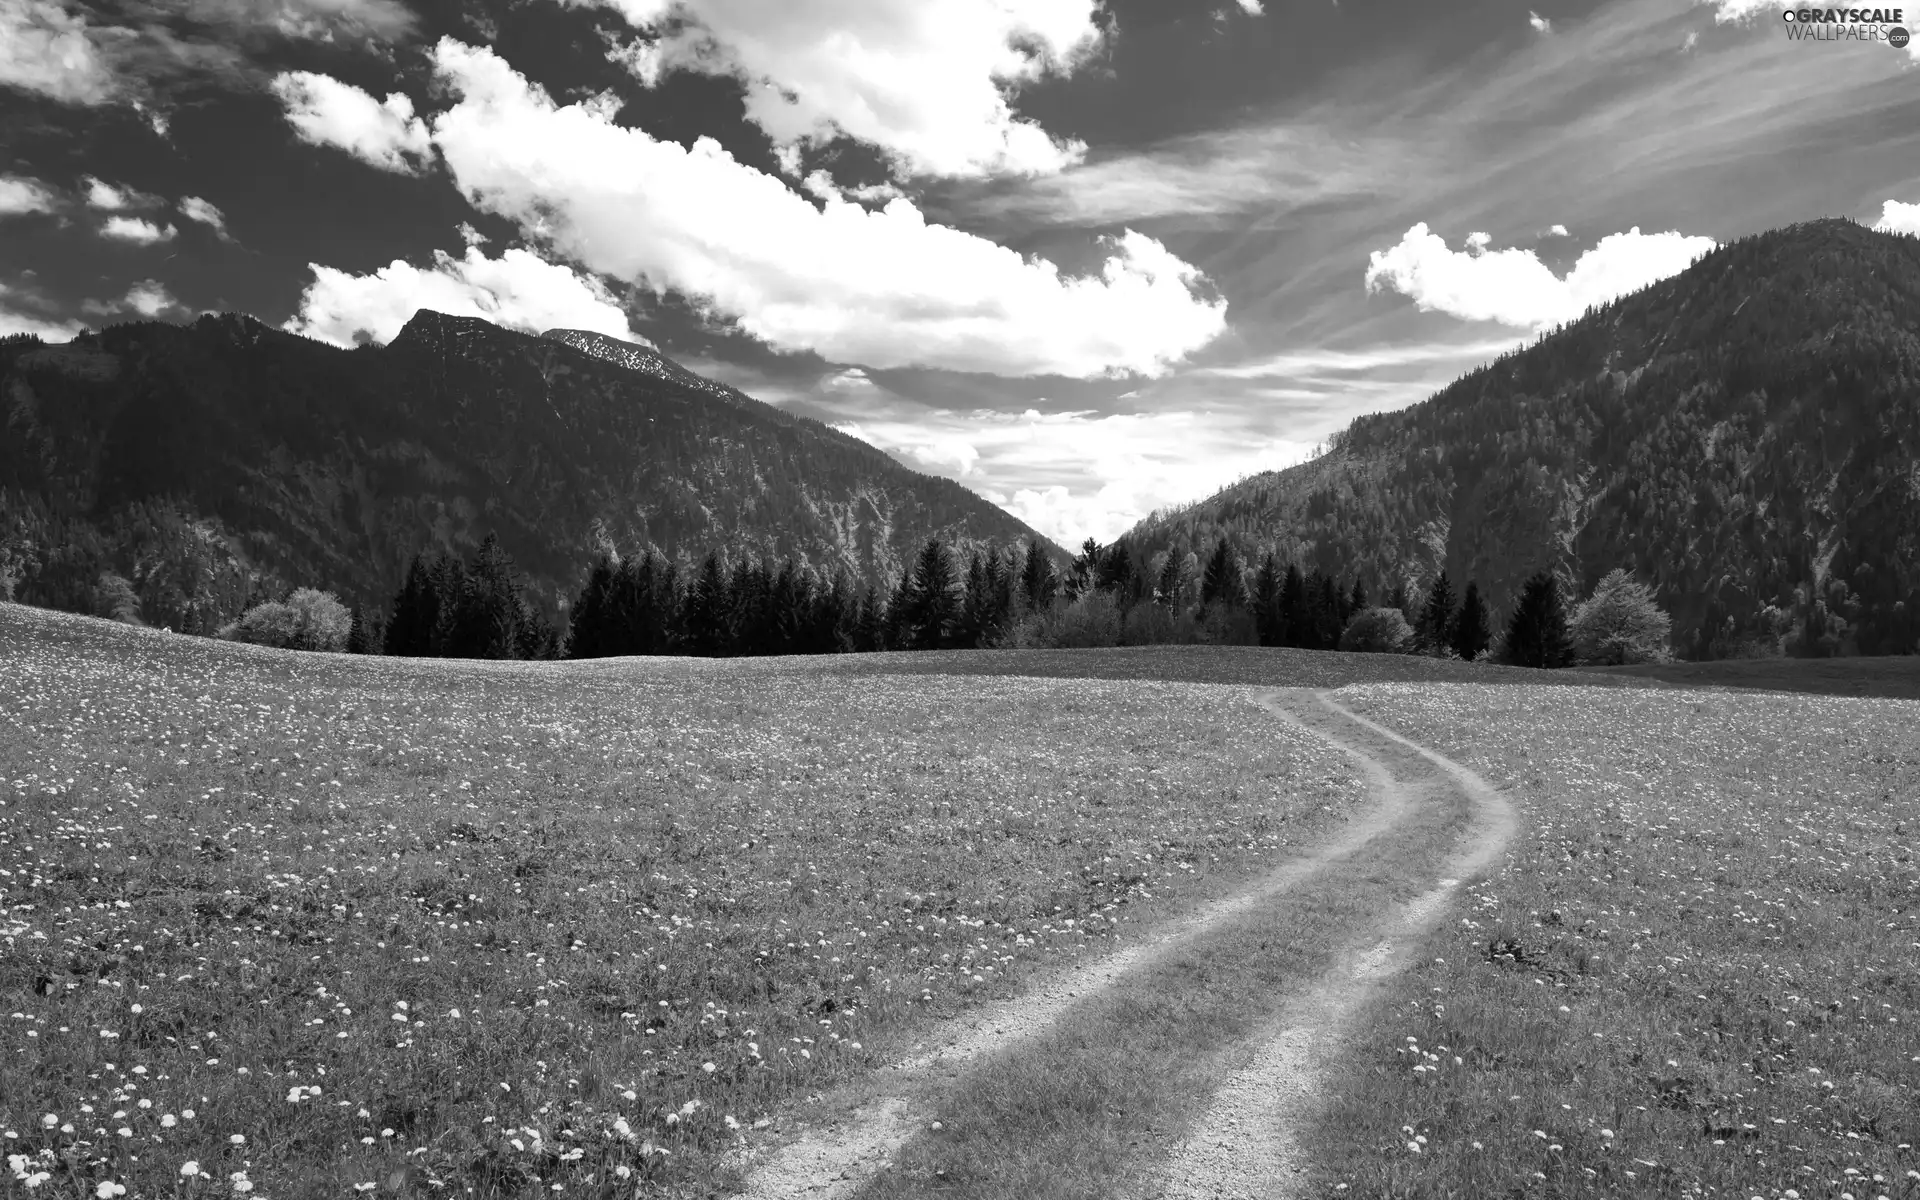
189	1169
107	1190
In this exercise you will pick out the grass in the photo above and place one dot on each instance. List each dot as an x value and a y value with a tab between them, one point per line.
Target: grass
1092	1107
1696	976
303	925
1246	665
1889	677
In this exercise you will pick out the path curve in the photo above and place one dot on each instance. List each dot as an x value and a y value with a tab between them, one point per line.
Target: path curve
829	1163
1248	1145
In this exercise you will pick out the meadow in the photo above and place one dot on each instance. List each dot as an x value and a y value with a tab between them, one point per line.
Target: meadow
280	925
1698	974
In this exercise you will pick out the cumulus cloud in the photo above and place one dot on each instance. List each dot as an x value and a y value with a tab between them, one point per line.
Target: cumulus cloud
193	208
1540	24
926	82
1074	475
138	230
20	195
1899	217
1514	287
883	288
16	315
519	290
149	298
109	198
47	50
326	112
1557	231
1252	8
1742	10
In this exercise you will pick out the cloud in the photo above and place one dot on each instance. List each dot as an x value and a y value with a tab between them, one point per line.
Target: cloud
106	197
52	49
1743	10
149	298
1252	8
46	50
326	112
1899	217
20	195
883	288
926	82
25	309
519	290
1557	231
138	230
1540	24
193	208
1073	475
1514	287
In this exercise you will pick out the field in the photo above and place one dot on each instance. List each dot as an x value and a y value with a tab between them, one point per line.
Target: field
1890	677
318	924
280	925
1698	975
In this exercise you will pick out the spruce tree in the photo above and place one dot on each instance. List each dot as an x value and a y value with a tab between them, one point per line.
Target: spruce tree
588	626
1116	567
705	619
1357	599
1173	579
488	624
1537	632
1436	619
930	610
1296	614
1397	598
1324	595
1472	629
1222	584
1268	620
415	613
1039	580
976	609
870	622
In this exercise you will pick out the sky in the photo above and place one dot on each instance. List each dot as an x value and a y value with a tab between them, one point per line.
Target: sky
1090	258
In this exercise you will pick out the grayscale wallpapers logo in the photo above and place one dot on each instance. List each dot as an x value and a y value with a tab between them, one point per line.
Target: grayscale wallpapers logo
1847	25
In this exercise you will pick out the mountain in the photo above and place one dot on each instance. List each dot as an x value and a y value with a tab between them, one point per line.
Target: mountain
1744	435
218	461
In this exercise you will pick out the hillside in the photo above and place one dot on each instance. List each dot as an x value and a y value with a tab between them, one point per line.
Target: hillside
212	462
1744	435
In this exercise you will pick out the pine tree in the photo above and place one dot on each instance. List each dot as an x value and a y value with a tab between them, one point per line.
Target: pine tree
1397	598
870	623
1436	619
1296	615
447	579
1116	567
1173	579
1327	621
1222	583
1269	621
1472	629
415	613
1537	632
1357	599
589	625
488	621
1084	573
706	607
1038	579
932	610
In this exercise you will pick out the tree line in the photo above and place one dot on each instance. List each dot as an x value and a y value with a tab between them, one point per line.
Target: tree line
650	603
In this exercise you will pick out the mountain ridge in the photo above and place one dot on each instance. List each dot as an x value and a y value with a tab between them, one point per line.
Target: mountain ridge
1744	435
215	460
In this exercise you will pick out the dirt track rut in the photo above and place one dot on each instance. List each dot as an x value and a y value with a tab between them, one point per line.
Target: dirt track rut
1246	1145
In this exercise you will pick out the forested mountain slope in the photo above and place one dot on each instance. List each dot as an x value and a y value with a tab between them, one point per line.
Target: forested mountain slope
216	461
1744	435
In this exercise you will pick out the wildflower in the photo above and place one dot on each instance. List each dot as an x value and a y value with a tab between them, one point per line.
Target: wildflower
189	1169
108	1189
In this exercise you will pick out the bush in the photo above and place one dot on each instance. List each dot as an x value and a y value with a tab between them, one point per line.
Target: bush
115	599
307	620
1620	623
1378	631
